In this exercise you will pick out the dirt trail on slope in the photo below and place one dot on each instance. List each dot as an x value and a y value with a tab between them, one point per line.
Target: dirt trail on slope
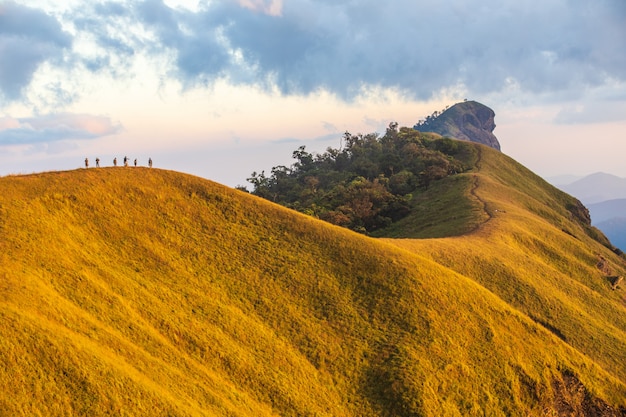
475	185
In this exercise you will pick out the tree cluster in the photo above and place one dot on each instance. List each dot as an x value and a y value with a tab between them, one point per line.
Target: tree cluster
366	184
429	120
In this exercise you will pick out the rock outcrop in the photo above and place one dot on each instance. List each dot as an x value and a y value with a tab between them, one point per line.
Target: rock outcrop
469	120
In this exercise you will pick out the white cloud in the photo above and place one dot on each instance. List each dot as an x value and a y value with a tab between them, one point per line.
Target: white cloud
54	127
592	112
270	7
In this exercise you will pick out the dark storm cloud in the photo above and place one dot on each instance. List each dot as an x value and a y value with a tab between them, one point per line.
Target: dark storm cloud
417	47
28	37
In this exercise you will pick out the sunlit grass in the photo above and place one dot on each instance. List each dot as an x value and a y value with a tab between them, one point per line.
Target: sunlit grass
537	257
130	291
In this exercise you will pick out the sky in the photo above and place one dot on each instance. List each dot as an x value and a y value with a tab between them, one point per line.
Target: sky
222	88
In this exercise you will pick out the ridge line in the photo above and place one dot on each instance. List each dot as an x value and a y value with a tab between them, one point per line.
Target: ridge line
476	196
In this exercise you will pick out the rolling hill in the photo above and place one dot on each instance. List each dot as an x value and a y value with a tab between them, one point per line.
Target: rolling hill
136	291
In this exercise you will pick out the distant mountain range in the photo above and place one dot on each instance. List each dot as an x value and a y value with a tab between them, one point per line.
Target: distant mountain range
595	188
605	197
607	210
615	230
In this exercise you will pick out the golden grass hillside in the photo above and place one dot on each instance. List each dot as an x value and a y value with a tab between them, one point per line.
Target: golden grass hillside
131	291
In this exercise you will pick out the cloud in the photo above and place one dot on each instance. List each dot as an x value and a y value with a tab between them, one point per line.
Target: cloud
28	37
330	127
418	48
324	138
300	47
55	127
271	7
591	112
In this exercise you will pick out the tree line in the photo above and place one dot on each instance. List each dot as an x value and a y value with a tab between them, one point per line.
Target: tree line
368	182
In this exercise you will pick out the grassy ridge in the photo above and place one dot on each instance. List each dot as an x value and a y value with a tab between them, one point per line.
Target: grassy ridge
132	291
536	255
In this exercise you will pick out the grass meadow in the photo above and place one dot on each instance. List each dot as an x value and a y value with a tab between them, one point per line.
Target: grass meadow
136	291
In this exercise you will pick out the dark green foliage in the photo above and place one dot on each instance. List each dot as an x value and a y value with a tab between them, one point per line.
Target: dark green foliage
368	183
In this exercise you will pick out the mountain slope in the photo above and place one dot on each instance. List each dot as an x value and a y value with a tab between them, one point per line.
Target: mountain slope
147	292
538	254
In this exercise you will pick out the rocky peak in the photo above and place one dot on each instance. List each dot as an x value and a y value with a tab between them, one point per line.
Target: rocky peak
469	120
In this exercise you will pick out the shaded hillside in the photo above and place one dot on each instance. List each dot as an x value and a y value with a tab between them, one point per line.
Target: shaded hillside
130	291
453	207
469	120
368	183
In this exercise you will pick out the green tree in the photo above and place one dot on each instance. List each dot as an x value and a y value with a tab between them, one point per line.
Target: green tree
365	184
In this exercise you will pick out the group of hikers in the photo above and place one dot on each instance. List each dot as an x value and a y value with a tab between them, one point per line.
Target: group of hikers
126	159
